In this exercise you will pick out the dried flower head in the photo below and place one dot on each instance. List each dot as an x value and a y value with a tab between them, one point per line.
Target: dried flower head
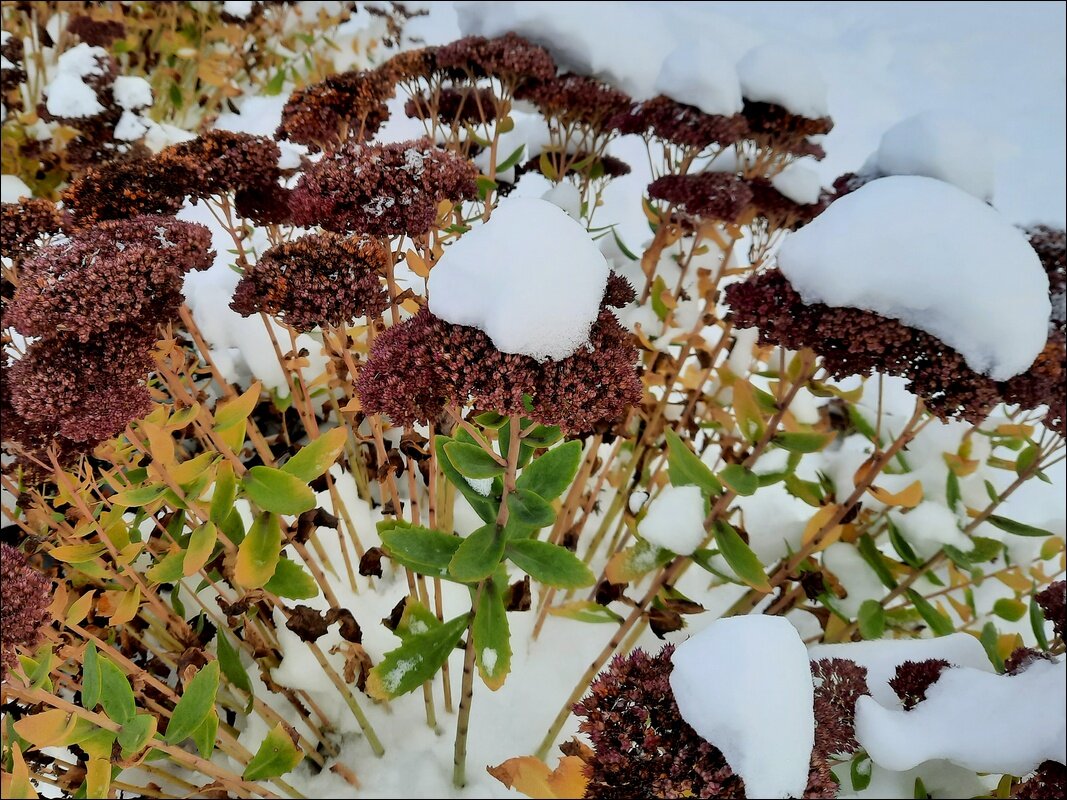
1049	782
779	211
912	679
1051	247
31	442
219	162
682	125
706	196
453	106
417	367
264	205
856	342
343	106
96	32
320	279
12	74
410	66
25	595
22	224
381	189
583	164
120	271
839	683
123	189
578	100
1052	600
772	127
509	58
618	293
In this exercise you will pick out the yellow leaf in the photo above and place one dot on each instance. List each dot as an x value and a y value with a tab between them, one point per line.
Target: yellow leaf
1014	579
908	497
1022	431
79	609
76	553
97	777
962	609
17	784
201	544
47	729
817	522
230	412
530	776
160	444
417	264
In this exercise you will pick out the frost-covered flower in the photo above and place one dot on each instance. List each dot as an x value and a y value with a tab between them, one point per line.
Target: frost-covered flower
381	189
123	189
707	195
343	106
121	271
579	100
219	162
778	211
1049	782
24	600
24	222
681	125
320	279
510	59
417	367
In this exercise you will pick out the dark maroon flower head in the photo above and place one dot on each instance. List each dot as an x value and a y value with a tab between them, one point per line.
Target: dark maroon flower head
681	125
264	205
410	66
603	167
912	679
343	106
85	391
774	128
509	58
1052	600
453	106
1051	247
618	293
319	279
381	189
11	77
124	189
779	211
706	195
839	683
1022	658
120	271
22	224
850	182
1049	782
31	441
96	32
852	341
579	100
219	162
25	595
417	367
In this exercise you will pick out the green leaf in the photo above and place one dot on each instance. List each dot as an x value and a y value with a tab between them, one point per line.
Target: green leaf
685	469
742	481
135	734
318	456
277	491
659	308
940	624
141	496
1017	528
492	637
168	569
874	558
292	581
230	412
197	700
860	778
584	611
201	545
1037	623
276	756
900	544
232	668
415	661
116	694
274	86
478	555
553	472
205	735
543	436
530	509
415	620
426	551
952	490
259	552
871	619
511	160
490	419
483	506
745	564
550	564
810	442
1010	609
472	461
990	640
91	682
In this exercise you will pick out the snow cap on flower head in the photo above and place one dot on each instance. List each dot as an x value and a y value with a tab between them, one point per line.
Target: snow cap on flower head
24	600
319	279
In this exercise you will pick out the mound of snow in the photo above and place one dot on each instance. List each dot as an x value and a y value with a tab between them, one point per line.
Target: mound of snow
934	257
799	183
744	684
12	187
531	278
699	75
786	76
131	92
675	521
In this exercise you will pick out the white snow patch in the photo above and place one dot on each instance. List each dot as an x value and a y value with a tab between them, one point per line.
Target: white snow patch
566	195
932	256
238	8
675	520
531	278
855	575
977	720
131	92
82	61
799	183
928	526
12	187
68	96
744	684
489	659
131	127
782	74
481	485
698	74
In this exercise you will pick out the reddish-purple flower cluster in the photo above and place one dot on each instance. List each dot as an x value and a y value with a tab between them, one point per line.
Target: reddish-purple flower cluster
643	748
1052	600
417	367
220	162
1049	782
912	679
319	279
510	59
124	189
25	595
381	189
14	75
777	210
706	196
453	107
684	126
578	100
772	127
343	106
839	684
22	224
852	341
96	32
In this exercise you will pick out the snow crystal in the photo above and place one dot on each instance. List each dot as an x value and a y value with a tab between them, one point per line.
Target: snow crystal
531	278
131	92
12	187
938	145
932	256
799	183
977	720
882	657
237	8
488	659
744	684
699	75
68	96
392	678
675	520
928	526
566	195
782	74
482	486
